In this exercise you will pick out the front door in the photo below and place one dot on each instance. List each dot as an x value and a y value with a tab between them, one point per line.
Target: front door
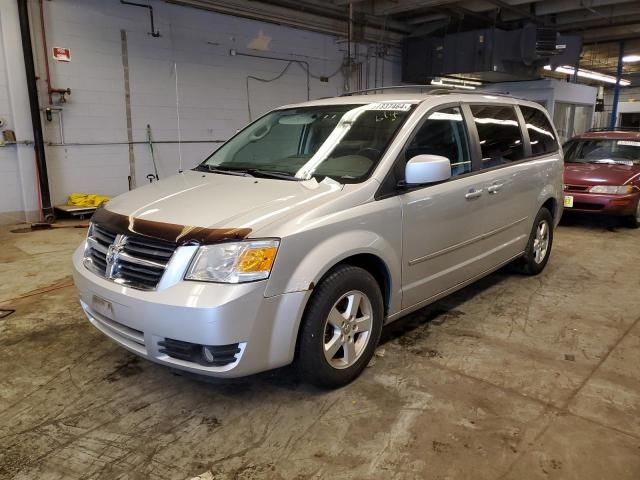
443	224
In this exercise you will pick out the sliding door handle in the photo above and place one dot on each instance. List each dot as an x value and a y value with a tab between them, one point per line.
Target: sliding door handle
473	193
495	188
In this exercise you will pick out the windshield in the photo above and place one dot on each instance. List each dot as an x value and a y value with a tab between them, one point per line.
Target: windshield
625	152
344	142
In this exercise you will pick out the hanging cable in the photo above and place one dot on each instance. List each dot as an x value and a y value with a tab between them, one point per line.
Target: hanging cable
267	80
304	65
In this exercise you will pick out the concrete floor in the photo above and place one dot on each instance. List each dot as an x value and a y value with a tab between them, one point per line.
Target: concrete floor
512	378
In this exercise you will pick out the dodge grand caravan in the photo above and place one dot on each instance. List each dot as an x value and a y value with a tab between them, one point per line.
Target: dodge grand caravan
305	233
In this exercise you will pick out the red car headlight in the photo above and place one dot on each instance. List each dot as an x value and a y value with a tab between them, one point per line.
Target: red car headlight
612	189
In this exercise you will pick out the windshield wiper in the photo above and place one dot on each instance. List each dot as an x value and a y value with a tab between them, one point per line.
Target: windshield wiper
224	171
258	172
248	172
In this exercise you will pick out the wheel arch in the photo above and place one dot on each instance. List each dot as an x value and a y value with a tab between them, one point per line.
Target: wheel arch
551	204
370	262
378	269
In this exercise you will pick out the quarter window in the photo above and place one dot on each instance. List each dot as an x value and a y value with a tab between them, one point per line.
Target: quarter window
443	133
541	136
499	134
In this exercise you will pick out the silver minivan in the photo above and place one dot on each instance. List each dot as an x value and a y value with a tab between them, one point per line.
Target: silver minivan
310	229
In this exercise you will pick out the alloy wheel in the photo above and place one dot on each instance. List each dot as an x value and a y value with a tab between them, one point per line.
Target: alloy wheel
541	242
347	329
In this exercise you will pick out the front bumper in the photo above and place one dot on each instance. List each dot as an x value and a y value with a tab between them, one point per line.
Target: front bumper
265	329
598	203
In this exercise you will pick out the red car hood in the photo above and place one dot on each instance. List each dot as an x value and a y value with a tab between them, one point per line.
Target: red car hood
600	174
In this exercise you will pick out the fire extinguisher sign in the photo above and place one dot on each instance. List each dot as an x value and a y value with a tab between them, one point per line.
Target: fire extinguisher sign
61	54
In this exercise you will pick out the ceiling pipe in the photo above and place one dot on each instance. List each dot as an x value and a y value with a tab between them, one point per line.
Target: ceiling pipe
154	33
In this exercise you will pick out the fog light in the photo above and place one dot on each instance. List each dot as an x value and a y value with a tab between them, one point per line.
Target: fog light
207	354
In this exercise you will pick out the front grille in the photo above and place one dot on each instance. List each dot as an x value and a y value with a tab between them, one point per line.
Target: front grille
576	188
221	355
587	206
138	262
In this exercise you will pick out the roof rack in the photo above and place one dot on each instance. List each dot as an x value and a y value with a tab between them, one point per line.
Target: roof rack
615	129
432	89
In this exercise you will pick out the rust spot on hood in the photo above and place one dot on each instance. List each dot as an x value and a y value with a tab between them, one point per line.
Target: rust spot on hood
170	232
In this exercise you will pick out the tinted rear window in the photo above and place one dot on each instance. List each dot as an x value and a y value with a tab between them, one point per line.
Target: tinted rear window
540	131
499	133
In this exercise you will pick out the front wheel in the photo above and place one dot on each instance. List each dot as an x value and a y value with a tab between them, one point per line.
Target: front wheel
341	328
536	255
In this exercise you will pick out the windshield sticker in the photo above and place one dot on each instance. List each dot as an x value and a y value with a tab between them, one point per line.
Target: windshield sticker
398	107
631	143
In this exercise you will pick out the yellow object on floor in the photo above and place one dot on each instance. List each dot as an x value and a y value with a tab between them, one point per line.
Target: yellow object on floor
86	200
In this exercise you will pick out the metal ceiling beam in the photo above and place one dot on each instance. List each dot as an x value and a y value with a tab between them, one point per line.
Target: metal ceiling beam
602	14
393	7
463	12
290	18
602	23
558	6
546	7
434	17
611	33
520	12
321	7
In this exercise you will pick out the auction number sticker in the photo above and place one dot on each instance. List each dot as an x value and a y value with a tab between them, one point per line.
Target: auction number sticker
392	106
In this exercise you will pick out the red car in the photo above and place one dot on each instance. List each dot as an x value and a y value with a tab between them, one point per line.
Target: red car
602	174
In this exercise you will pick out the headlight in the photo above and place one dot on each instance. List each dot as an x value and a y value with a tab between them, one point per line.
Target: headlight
622	190
236	262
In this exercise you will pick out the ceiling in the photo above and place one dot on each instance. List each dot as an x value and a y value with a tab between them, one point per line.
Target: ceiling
601	23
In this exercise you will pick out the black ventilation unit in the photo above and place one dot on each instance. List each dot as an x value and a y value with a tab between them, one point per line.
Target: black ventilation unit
491	54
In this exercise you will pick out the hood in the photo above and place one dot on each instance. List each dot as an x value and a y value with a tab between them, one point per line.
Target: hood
598	173
220	201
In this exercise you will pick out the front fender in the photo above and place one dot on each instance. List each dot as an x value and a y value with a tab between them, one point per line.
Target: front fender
303	258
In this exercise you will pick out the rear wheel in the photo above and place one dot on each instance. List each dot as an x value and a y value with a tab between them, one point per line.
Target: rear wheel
538	249
341	328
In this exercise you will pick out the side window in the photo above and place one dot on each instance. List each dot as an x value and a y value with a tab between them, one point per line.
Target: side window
499	134
443	133
541	135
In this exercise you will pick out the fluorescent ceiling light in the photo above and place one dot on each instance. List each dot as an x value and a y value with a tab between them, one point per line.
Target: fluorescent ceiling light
462	81
589	74
440	83
631	58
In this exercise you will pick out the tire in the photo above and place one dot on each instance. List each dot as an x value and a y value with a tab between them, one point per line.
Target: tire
538	249
633	221
334	344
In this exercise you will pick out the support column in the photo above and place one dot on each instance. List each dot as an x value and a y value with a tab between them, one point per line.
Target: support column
616	90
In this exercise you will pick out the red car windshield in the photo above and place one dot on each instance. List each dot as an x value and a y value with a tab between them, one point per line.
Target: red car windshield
597	150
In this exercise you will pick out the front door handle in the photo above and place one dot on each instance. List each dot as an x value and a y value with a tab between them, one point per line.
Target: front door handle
495	188
473	193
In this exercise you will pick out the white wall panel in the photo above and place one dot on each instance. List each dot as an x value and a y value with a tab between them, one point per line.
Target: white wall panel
211	87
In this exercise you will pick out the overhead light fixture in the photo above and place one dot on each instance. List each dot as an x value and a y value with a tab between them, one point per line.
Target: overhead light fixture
463	81
589	74
631	58
441	83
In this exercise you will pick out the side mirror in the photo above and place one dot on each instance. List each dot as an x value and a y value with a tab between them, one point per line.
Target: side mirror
427	169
